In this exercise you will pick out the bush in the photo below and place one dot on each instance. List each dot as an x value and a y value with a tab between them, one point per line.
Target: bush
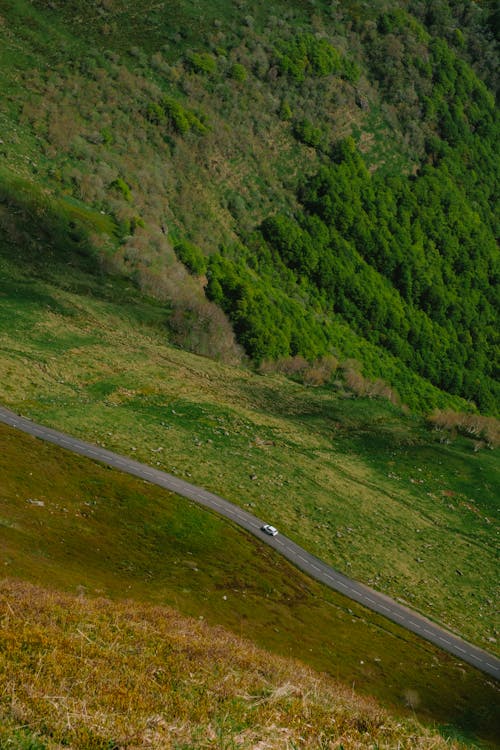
202	62
291	367
470	425
321	371
191	256
305	132
307	56
285	110
350	71
201	327
182	120
239	72
121	186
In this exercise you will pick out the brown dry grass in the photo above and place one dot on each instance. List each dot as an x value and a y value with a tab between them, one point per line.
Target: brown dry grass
94	673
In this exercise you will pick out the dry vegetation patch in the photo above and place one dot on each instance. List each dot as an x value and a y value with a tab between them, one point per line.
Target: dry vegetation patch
94	674
485	430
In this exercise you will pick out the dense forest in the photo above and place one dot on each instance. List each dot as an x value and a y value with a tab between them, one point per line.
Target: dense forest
409	261
318	178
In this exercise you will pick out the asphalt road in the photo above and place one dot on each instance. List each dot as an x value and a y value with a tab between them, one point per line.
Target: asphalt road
310	564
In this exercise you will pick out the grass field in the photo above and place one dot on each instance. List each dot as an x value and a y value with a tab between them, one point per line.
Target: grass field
367	488
94	674
71	525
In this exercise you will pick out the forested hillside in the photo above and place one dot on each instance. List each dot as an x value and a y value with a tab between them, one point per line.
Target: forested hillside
292	180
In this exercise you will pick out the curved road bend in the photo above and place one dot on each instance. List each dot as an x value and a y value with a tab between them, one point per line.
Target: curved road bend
310	564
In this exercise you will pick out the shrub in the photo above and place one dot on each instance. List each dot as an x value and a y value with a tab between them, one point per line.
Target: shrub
181	119
470	425
306	55
350	70
136	222
121	187
285	110
155	113
291	367
239	72
305	132
355	382
107	135
202	62
191	256
201	327
321	371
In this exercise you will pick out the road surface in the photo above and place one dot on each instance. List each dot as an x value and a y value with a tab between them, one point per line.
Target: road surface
308	563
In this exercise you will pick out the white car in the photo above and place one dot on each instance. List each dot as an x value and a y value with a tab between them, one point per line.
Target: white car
269	529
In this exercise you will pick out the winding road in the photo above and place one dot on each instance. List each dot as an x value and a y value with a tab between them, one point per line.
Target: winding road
308	563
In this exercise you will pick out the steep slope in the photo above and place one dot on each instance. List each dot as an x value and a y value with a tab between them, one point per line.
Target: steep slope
289	185
70	525
376	492
331	169
92	674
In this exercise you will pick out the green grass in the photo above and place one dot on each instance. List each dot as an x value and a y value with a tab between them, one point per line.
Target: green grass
367	488
72	525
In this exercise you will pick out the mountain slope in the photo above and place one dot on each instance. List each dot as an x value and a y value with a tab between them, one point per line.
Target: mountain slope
336	166
374	491
306	189
91	674
70	525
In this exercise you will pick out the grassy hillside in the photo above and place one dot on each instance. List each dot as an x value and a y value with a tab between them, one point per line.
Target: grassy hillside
70	525
221	135
374	491
93	674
